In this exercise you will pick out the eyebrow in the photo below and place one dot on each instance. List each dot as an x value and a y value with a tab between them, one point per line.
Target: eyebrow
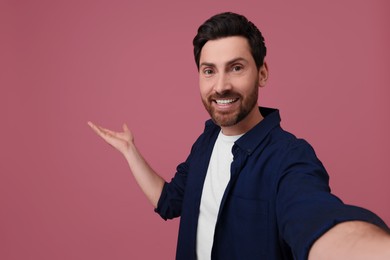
208	64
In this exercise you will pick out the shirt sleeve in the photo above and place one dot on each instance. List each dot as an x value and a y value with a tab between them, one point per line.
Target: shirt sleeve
171	199
170	202
306	208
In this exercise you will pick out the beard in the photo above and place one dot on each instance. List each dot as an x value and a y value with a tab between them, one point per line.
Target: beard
230	118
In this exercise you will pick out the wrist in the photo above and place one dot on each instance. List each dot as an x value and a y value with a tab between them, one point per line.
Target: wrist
130	151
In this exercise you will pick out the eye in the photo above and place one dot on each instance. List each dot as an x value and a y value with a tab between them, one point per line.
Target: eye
208	71
237	68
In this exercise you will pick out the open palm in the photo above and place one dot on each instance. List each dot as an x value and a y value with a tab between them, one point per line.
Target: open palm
119	140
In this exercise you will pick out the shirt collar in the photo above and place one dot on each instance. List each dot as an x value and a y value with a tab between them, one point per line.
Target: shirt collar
251	139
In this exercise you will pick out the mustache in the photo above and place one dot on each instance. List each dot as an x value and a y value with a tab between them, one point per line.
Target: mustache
225	94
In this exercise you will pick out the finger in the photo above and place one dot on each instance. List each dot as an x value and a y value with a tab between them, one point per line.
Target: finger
103	130
94	127
90	124
125	128
107	134
107	131
100	130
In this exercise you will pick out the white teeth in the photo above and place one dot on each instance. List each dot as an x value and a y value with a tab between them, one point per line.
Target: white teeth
224	101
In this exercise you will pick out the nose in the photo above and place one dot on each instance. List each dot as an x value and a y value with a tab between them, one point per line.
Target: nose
222	84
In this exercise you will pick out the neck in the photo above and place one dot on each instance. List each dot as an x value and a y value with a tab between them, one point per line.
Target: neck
253	118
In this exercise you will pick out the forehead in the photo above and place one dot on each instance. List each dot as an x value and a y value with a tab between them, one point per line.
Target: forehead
225	49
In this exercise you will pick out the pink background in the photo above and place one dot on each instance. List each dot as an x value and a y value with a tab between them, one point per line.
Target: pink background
65	194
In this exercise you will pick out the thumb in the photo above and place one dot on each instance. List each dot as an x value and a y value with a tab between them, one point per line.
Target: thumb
125	128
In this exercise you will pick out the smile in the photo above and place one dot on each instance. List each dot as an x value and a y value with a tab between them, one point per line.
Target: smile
225	101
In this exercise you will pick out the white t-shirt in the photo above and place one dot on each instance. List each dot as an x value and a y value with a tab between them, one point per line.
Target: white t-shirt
217	178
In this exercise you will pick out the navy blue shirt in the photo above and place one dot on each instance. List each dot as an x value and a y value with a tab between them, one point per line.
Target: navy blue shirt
277	203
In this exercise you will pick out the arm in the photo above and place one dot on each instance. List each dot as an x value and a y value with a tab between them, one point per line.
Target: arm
314	221
352	240
149	181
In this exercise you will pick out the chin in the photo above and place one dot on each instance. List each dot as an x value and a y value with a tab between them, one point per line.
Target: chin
225	121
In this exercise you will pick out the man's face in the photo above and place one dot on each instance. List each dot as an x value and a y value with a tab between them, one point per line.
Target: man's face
229	80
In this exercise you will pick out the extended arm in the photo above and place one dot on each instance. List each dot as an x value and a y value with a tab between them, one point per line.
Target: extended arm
149	181
352	240
317	224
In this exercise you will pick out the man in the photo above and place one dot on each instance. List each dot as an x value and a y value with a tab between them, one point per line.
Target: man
249	189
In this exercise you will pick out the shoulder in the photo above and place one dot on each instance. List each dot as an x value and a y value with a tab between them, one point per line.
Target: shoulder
285	142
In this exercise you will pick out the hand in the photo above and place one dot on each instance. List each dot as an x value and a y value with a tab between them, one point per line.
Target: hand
149	181
119	140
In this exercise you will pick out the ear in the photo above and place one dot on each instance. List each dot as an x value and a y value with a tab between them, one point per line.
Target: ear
263	74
